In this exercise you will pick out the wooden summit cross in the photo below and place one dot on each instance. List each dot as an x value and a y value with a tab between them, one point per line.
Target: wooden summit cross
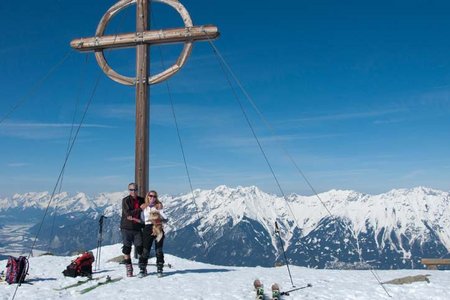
142	39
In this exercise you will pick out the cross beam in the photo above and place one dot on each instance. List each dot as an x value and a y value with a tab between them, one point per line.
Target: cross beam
154	37
142	39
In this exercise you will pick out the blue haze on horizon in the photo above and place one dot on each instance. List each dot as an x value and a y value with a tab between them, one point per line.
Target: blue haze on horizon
358	93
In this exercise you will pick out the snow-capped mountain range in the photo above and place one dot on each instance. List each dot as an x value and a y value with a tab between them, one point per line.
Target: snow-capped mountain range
236	226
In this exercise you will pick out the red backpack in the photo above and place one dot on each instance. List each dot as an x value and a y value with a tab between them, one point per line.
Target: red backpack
16	269
81	266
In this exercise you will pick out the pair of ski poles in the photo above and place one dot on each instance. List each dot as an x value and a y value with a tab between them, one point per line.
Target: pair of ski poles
99	242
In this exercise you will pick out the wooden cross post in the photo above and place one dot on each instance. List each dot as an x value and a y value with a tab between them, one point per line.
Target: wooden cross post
142	39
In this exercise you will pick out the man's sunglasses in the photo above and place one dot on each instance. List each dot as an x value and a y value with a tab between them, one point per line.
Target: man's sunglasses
132	190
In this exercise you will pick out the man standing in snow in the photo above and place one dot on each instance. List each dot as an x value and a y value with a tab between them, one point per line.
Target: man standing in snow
130	225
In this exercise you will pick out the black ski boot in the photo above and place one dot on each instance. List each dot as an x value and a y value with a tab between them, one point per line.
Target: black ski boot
159	269
142	272
142	267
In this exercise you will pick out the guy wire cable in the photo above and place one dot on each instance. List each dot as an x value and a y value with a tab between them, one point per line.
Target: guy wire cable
62	170
67	153
35	87
204	242
254	105
80	87
256	138
81	84
262	151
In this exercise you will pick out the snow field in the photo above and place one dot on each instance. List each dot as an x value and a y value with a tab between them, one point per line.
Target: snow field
193	280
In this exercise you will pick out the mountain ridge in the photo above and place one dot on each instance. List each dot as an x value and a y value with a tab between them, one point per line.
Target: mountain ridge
401	223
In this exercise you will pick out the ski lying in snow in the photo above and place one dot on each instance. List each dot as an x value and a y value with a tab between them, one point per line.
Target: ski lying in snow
108	280
296	289
259	288
275	291
170	266
80	282
165	265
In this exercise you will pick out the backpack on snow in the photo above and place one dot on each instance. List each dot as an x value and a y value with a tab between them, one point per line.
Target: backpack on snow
16	269
81	266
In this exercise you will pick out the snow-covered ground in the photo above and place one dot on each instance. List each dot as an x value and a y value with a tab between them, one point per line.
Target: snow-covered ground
192	280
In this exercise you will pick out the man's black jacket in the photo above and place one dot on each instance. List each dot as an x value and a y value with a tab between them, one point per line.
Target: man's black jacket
129	210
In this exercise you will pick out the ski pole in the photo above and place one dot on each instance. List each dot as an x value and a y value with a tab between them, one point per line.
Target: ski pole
277	230
296	289
99	242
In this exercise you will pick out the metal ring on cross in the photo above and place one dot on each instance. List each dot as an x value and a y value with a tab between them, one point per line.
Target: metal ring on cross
116	8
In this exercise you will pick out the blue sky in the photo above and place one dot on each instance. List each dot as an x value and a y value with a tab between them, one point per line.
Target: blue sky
358	93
